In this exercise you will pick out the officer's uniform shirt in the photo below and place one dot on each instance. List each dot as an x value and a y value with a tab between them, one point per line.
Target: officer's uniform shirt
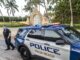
6	32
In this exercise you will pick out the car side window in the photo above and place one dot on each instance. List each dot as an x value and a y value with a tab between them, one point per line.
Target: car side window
51	35
37	34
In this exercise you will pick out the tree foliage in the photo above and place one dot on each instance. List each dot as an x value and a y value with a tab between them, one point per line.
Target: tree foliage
62	11
11	6
31	4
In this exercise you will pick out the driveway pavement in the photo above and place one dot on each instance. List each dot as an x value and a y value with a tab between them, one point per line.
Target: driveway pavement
11	54
8	55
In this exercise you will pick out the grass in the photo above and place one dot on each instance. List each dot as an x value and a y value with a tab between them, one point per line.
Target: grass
18	24
77	26
12	24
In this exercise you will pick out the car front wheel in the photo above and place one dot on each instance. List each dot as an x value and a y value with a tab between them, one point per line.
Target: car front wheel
25	53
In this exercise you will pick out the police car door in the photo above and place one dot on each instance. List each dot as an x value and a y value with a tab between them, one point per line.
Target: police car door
53	50
35	41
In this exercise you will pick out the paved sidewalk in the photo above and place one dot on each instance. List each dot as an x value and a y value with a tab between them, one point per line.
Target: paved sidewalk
11	54
8	55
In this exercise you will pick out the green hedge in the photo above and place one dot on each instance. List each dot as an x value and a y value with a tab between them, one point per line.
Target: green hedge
77	26
17	24
17	19
11	24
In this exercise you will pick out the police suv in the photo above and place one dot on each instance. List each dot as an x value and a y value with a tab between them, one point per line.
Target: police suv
55	42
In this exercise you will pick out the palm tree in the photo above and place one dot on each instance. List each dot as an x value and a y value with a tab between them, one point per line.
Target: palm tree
11	7
71	13
51	3
28	7
1	3
33	4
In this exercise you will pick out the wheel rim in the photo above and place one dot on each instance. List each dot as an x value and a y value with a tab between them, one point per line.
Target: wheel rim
24	53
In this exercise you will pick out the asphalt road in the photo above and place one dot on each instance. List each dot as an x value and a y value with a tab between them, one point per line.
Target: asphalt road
11	54
8	55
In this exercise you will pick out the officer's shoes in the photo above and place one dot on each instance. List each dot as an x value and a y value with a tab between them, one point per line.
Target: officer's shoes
13	48
7	49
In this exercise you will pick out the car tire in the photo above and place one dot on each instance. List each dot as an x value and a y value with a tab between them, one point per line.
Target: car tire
18	50
25	54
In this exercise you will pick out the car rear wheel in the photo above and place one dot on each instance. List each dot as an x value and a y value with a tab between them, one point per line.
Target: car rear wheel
25	53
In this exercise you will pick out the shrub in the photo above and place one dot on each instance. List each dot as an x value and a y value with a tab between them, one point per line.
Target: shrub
77	26
12	24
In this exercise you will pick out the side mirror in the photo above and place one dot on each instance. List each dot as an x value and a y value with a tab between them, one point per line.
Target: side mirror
60	42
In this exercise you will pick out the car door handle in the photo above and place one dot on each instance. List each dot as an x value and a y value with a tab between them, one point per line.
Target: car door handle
46	44
27	39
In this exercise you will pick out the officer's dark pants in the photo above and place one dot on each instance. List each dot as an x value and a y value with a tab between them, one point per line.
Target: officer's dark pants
8	42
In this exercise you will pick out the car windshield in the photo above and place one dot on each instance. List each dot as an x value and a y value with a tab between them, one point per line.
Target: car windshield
72	34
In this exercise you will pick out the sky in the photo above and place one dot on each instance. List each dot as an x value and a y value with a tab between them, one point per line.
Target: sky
22	13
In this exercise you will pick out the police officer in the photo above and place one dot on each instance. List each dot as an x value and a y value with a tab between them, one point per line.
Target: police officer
7	37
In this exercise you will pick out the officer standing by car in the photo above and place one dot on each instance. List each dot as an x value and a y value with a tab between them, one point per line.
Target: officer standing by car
7	37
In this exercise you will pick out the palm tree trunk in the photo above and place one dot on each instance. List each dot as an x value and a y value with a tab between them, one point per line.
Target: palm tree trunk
71	23
22	18
8	14
46	12
39	7
30	15
2	16
12	13
29	19
45	7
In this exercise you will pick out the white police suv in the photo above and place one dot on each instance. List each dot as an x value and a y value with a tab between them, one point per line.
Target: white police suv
55	42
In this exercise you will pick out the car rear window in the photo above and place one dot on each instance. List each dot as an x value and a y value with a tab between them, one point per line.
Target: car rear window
21	33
